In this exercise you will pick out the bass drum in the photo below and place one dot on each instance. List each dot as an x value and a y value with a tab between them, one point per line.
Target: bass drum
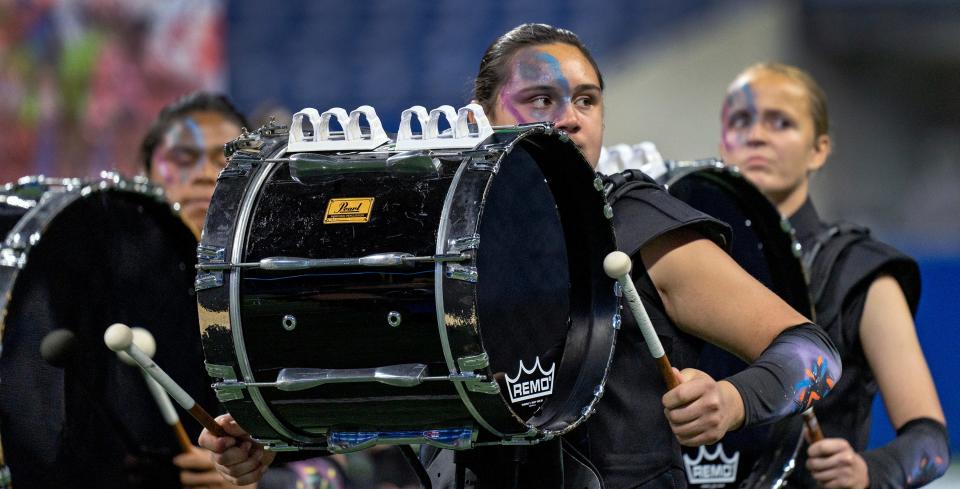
763	244
446	297
81	256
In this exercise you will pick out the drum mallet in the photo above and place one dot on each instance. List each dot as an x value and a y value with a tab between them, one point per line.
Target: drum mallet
147	344
813	426
119	338
617	265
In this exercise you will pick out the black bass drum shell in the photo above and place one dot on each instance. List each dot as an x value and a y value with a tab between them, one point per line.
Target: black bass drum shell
764	245
522	207
81	259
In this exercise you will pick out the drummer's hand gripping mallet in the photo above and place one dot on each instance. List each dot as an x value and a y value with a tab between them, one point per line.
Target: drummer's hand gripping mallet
617	265
147	344
119	338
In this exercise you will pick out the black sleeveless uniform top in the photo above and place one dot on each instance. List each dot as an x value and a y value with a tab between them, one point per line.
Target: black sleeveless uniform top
628	439
846	262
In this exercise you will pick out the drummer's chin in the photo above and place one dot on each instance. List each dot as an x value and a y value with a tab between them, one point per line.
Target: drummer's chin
760	177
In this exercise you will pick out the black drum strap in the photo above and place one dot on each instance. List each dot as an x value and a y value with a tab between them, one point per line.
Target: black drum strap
618	184
820	260
578	471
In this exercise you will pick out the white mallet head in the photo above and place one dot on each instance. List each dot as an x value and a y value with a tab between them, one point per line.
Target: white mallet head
617	264
118	337
144	341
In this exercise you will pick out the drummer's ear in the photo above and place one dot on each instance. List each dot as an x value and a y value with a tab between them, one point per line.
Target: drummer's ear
821	151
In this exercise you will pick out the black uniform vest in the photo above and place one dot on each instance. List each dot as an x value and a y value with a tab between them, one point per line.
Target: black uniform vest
628	439
842	262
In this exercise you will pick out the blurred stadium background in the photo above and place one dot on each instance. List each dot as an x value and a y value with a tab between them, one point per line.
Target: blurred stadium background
81	80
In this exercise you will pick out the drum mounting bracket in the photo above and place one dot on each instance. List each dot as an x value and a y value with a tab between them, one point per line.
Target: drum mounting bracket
208	255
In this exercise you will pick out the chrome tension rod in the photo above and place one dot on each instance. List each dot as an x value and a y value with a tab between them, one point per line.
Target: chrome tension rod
376	260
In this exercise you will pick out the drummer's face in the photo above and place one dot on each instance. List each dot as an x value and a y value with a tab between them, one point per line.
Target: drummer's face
554	83
768	132
189	158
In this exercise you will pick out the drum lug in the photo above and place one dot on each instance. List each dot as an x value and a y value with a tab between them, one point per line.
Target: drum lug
211	254
461	272
238	167
464	243
488	162
473	362
229	390
472	381
207	255
208	280
531	437
225	390
277	445
11	257
476	383
217	371
608	211
458	246
482	387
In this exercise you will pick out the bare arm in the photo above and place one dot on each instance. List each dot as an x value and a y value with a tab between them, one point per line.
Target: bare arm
708	295
890	343
891	347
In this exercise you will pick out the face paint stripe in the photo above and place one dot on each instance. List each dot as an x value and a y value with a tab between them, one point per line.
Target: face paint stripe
539	68
737	137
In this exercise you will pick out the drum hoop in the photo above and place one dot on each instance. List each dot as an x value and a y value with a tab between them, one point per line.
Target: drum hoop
722	172
439	299
236	329
35	222
535	434
588	410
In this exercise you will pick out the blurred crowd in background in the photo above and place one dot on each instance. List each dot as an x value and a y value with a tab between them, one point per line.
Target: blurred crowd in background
80	82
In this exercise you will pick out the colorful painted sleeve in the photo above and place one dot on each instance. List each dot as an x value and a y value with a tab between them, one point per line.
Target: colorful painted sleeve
798	369
919	454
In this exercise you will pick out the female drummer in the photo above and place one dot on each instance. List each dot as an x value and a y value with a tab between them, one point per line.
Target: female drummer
183	151
775	129
538	73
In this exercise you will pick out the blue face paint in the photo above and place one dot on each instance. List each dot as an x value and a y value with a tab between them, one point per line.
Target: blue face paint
531	69
739	114
195	131
181	152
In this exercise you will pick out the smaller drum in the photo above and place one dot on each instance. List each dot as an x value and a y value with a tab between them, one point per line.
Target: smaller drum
81	255
19	197
448	297
763	244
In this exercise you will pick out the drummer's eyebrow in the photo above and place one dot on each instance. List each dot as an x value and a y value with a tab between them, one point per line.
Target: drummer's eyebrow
537	88
586	87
